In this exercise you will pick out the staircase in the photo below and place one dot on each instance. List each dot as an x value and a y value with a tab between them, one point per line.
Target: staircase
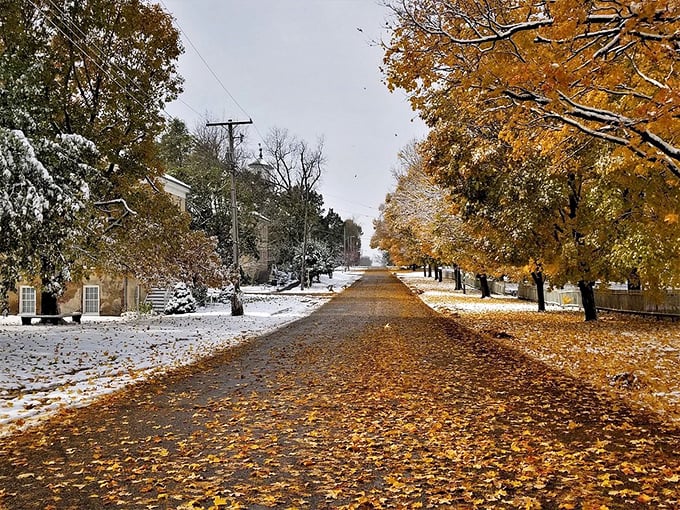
158	298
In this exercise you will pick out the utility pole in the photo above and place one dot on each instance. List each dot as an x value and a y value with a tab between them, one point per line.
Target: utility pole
236	302
344	246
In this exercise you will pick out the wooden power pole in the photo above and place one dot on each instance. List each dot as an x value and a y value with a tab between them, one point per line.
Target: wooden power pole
236	303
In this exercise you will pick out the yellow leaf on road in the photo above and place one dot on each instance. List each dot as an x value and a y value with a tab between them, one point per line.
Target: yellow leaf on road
220	501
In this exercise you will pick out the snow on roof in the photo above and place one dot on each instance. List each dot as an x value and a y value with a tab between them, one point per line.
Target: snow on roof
176	181
260	216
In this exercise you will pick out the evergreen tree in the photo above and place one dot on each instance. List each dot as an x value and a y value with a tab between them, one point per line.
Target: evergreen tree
182	301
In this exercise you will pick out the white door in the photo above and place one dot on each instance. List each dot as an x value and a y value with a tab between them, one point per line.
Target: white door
91	299
27	300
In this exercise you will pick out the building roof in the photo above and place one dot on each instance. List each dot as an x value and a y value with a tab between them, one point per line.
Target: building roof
260	216
176	181
175	187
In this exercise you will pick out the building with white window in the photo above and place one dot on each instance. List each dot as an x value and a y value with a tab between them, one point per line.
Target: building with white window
101	294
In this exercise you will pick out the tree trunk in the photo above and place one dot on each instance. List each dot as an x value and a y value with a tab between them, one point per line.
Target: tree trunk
539	280
429	270
237	303
49	305
237	296
484	284
588	298
424	269
634	280
303	277
441	274
458	275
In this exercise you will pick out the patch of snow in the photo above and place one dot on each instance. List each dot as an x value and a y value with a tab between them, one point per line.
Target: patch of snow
469	301
44	368
341	279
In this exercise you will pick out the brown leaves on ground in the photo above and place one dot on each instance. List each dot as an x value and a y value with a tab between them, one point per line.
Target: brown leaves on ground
608	353
338	411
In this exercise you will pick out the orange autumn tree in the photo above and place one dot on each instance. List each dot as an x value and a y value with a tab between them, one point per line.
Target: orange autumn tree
572	215
508	207
156	245
525	216
402	230
507	64
605	68
418	221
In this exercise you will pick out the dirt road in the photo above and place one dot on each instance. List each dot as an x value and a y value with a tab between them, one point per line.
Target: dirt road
373	401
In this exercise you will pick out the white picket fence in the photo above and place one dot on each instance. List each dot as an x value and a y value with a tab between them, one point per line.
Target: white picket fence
472	282
568	296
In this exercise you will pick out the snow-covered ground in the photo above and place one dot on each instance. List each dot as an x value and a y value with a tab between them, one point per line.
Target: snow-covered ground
43	368
432	289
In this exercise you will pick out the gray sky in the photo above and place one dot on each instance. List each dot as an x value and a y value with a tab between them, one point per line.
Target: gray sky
302	65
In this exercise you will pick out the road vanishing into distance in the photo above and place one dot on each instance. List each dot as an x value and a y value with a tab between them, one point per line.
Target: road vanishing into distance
373	401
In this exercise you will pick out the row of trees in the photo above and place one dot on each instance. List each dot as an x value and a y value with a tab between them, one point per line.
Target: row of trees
83	85
553	145
280	183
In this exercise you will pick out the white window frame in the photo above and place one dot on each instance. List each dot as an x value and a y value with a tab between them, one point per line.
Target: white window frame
85	299
23	302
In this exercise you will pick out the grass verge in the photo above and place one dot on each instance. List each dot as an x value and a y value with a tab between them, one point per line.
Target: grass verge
634	357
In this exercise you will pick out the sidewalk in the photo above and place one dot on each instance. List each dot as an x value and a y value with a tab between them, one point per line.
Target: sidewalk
373	401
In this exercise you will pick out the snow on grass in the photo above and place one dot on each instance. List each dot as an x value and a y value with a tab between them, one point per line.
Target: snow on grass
589	351
43	368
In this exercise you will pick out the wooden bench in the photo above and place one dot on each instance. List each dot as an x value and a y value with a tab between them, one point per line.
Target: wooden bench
54	319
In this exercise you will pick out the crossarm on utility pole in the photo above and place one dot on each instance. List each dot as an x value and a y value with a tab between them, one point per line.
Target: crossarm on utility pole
235	309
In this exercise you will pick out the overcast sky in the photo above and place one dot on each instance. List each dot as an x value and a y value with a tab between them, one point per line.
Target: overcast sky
310	66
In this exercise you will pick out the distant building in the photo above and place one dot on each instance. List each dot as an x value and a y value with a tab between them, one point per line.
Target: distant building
258	269
177	190
260	167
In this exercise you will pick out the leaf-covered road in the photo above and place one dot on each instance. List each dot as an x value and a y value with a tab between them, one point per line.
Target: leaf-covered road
374	401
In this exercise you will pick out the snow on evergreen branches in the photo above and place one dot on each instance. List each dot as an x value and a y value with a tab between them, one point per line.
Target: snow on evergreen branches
182	301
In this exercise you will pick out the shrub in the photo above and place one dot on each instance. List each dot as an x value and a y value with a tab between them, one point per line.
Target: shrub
181	301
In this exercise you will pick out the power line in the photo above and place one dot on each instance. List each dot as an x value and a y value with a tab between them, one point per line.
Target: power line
96	55
187	105
86	54
205	62
66	18
351	202
101	54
